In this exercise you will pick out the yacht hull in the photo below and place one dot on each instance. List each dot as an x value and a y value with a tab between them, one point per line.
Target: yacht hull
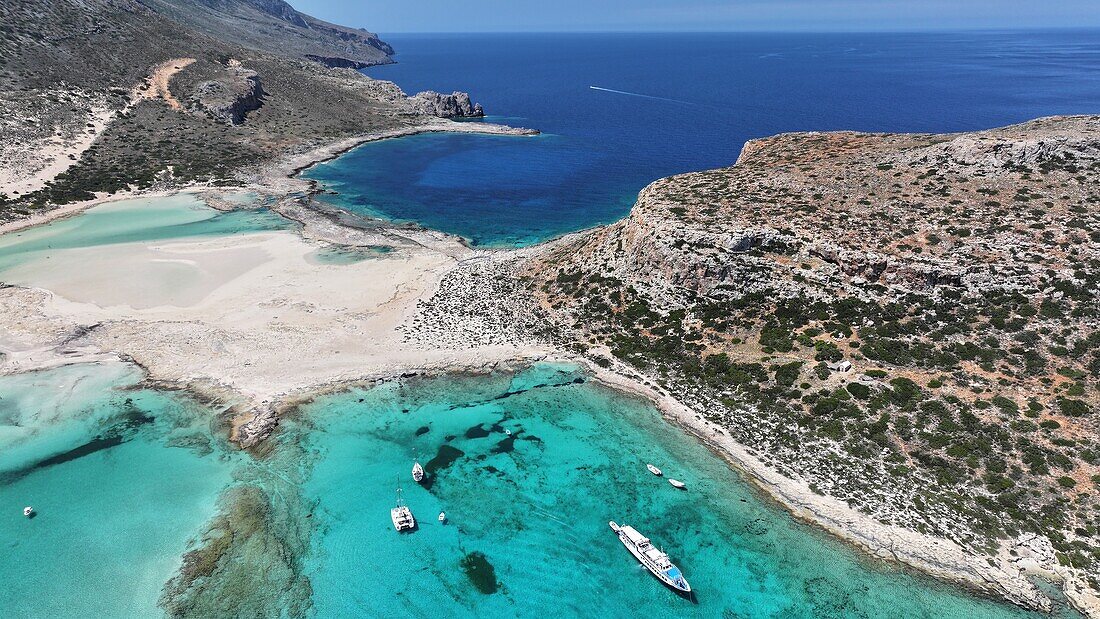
654	561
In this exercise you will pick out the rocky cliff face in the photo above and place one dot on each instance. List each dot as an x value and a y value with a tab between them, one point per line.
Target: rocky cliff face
910	322
229	99
454	105
276	27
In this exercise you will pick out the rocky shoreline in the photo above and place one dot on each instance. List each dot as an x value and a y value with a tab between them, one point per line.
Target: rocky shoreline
936	557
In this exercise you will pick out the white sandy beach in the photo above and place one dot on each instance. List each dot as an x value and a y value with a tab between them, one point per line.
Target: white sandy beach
251	312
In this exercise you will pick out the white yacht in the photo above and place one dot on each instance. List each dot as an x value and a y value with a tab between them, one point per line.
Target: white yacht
28	511
401	515
652	469
654	560
676	483
442	516
418	472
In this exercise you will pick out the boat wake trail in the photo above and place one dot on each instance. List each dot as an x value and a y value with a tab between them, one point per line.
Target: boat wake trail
638	94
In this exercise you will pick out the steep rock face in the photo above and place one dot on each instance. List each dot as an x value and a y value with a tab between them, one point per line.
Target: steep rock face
228	100
455	105
276	8
276	27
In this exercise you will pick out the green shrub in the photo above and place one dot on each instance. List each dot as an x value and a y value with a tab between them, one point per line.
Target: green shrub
787	374
859	390
1073	408
1005	404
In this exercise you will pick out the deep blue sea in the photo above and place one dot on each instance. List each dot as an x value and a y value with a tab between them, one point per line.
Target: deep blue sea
694	99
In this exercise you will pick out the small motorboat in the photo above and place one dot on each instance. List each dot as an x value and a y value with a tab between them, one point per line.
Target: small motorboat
652	469
442	517
507	431
418	472
28	511
676	483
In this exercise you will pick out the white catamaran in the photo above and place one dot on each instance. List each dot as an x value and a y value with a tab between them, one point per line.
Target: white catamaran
654	560
401	515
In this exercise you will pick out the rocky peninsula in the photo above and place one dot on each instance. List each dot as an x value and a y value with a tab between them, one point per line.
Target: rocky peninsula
897	334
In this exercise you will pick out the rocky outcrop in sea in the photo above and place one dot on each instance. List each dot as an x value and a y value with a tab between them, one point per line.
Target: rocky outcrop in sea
455	105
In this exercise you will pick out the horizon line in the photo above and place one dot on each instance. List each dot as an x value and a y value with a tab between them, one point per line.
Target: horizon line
988	29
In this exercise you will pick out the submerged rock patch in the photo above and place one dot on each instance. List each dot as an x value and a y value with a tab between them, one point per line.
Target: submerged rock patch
247	563
480	572
478	431
444	458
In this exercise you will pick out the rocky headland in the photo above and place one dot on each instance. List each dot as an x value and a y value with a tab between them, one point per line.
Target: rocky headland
454	105
897	334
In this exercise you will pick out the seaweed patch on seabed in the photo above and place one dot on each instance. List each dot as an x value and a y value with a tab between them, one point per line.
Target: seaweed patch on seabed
478	431
249	560
115	435
506	445
507	394
480	572
444	458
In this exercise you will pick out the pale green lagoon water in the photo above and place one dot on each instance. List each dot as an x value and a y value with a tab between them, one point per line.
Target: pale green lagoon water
338	255
135	221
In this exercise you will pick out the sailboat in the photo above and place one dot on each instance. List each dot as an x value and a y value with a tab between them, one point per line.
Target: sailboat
418	472
401	514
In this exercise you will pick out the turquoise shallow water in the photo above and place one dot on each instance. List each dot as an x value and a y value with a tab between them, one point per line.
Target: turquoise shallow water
131	221
127	479
536	505
121	478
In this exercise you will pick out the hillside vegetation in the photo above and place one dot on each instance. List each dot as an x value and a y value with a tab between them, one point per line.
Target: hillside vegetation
98	96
